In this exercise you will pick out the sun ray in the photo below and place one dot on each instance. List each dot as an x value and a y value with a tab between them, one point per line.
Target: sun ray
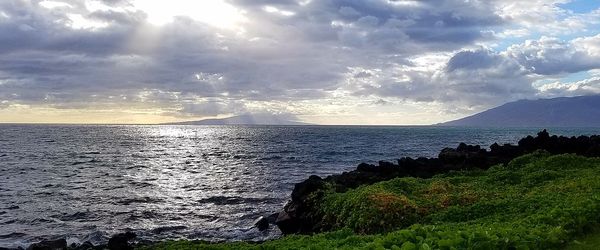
216	13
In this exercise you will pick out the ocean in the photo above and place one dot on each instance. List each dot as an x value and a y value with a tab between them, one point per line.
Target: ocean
87	182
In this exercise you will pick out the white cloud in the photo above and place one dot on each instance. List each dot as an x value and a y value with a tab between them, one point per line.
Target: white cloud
546	16
549	56
591	45
217	13
54	4
80	22
521	32
334	58
271	9
584	87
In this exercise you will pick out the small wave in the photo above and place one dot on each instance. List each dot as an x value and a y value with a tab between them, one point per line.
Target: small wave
193	187
51	185
8	222
195	171
243	156
77	216
285	151
43	193
69	175
275	157
12	235
142	215
216	153
41	221
142	184
113	187
226	200
332	153
139	200
160	230
84	162
135	166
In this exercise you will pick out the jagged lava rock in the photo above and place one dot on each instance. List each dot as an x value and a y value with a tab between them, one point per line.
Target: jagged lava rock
60	244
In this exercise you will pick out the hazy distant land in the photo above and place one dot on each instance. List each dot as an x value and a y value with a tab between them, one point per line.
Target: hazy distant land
247	119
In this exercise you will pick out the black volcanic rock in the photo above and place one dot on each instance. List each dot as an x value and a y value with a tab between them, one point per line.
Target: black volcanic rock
292	219
86	246
272	218
582	111
301	214
261	223
60	244
121	241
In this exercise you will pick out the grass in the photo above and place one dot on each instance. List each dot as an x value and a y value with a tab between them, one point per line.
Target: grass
537	201
590	241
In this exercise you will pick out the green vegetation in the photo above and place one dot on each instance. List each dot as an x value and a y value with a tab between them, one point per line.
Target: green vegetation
590	241
537	201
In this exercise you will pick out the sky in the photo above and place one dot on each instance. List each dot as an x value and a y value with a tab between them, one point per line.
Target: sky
372	62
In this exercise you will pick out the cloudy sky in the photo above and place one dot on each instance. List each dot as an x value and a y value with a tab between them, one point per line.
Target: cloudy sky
318	61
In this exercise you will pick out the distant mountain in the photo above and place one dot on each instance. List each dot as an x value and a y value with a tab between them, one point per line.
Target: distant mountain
582	111
244	120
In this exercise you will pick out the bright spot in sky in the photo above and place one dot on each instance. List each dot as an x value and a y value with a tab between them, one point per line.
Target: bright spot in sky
213	12
79	22
4	15
53	4
272	9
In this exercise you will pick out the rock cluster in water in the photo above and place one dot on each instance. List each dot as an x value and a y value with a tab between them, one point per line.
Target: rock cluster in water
121	241
301	214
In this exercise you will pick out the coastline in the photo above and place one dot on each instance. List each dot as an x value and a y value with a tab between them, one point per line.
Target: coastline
300	216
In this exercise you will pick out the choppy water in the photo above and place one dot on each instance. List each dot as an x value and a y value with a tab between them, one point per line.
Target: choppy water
197	182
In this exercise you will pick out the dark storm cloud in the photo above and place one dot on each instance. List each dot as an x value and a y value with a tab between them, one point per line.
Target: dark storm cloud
31	27
470	77
406	27
471	60
484	76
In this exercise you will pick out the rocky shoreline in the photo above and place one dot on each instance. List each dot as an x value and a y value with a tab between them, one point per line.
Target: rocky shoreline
121	241
301	214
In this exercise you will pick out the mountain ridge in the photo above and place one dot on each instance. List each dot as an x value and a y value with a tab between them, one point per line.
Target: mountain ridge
579	111
243	120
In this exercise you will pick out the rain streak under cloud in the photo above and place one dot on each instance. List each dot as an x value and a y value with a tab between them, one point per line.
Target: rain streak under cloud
326	61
